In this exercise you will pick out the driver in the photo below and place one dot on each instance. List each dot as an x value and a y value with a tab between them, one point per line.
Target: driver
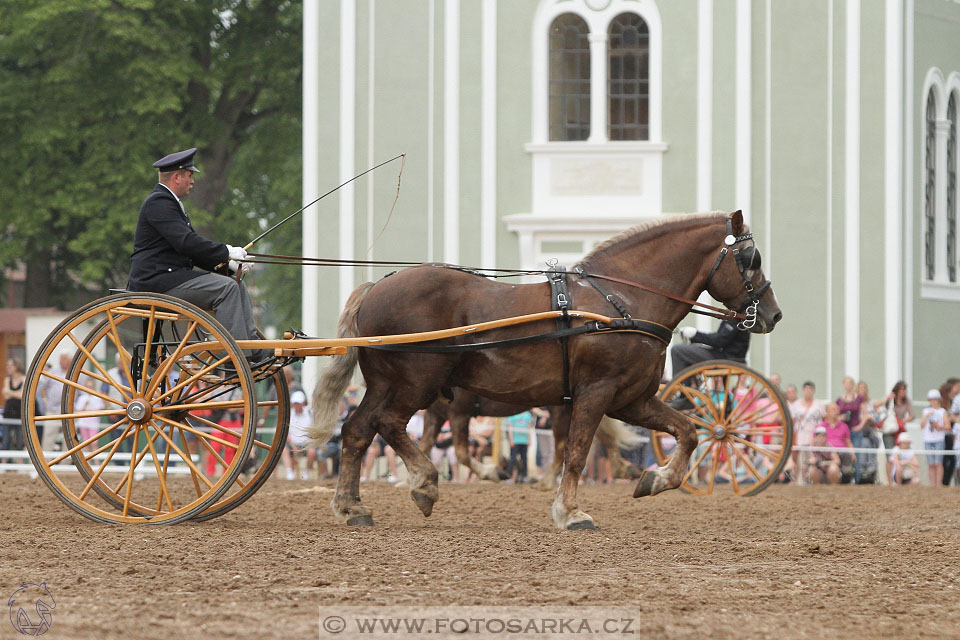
166	249
728	343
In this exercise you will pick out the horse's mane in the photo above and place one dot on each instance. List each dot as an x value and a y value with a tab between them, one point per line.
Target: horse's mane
651	227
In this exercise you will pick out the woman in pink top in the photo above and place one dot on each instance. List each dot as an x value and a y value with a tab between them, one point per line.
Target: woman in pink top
838	435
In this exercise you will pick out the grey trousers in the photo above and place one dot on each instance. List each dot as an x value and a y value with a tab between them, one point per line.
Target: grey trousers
228	299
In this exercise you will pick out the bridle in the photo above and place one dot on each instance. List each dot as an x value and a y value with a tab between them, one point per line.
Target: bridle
747	255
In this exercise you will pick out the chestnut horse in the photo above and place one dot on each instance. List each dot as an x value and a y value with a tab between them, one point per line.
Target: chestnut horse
653	272
465	405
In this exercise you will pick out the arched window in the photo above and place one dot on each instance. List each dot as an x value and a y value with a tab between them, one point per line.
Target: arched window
930	180
628	78
569	78
952	188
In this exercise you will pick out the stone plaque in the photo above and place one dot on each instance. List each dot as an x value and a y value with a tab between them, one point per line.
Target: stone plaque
614	176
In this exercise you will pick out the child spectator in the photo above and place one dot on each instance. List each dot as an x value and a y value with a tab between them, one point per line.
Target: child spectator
807	413
520	426
300	420
89	426
824	466
906	465
444	447
935	427
838	436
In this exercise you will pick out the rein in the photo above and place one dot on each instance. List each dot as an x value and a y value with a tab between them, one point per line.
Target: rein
711	311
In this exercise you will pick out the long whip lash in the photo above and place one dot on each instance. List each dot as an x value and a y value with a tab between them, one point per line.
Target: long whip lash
402	155
392	207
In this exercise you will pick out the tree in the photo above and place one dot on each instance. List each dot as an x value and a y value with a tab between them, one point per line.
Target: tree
93	91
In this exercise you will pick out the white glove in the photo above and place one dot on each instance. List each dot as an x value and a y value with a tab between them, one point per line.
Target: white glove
236	253
688	332
233	265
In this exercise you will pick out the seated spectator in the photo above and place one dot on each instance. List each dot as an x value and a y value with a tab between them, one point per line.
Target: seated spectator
823	466
935	426
905	463
838	436
379	448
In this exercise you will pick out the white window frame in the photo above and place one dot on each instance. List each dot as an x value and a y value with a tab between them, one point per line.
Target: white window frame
940	287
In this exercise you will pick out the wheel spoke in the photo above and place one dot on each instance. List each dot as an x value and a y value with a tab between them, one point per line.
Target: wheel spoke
713	471
696	464
167	364
733	471
188	382
147	347
139	458
103	465
161	475
66	454
744	402
766	452
80	387
749	465
125	391
133	465
99	367
186	458
200	434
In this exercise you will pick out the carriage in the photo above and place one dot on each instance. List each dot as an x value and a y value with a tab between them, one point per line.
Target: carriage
177	369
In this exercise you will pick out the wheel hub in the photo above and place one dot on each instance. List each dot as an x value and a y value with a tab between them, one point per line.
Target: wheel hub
719	432
139	411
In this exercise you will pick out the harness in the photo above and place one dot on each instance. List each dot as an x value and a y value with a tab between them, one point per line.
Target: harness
746	259
748	255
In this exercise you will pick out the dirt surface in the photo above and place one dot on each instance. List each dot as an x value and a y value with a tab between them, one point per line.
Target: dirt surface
857	562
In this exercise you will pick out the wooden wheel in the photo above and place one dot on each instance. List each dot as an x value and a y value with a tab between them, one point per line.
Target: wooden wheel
744	428
127	405
274	401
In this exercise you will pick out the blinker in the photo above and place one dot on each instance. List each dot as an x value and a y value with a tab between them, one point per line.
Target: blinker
751	257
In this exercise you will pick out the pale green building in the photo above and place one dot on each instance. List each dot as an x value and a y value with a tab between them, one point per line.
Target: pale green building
536	128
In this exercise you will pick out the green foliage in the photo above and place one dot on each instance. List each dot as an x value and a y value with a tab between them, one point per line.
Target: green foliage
93	91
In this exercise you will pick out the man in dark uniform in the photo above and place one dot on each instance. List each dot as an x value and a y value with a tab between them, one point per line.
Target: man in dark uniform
728	343
166	249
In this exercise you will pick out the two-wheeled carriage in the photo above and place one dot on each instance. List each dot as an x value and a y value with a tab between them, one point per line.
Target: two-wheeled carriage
178	373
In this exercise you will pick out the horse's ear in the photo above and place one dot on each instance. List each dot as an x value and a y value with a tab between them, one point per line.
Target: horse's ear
736	220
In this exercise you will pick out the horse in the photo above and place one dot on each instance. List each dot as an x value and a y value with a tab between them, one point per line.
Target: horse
653	271
464	405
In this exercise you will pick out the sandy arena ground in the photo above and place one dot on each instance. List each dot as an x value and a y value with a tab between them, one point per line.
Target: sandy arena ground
851	562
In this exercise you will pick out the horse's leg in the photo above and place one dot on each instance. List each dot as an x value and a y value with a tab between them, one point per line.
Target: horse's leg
607	436
422	475
561	427
357	434
653	413
460	428
432	420
584	419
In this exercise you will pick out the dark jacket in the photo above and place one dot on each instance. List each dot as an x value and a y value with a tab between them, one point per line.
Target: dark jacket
166	248
733	342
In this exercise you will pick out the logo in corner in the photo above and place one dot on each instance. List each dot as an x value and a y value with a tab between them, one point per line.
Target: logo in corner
30	609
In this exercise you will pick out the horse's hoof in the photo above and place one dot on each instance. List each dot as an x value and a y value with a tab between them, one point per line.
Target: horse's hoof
583	525
360	521
424	502
645	485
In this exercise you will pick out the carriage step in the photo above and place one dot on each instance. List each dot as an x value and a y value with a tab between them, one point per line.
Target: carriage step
193	366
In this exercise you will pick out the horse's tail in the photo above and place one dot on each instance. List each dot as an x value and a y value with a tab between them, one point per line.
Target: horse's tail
623	436
335	378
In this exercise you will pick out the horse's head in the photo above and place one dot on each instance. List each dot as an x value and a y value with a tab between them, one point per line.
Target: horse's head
736	278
